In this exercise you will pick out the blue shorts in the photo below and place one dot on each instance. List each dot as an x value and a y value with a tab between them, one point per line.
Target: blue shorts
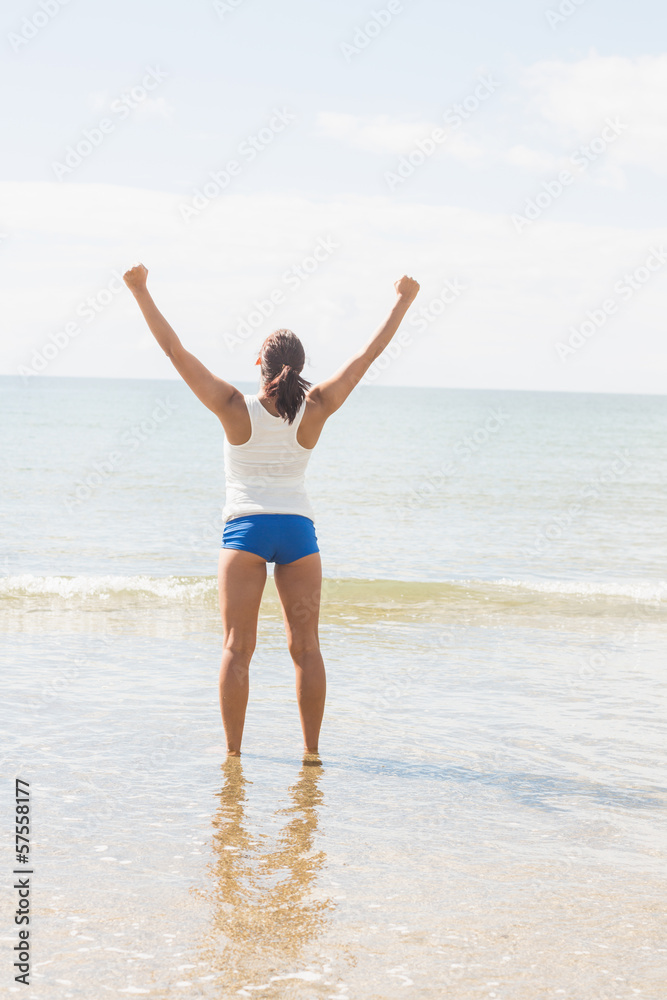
279	538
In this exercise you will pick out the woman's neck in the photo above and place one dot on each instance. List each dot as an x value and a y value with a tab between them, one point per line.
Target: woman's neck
267	403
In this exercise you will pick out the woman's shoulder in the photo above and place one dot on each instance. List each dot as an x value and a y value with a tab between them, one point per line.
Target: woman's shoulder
237	422
311	422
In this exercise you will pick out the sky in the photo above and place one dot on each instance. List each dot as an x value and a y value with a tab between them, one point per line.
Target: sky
281	165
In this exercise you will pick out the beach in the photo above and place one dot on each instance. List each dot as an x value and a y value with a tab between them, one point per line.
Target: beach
487	818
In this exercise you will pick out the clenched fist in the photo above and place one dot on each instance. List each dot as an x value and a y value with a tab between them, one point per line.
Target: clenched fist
135	278
406	287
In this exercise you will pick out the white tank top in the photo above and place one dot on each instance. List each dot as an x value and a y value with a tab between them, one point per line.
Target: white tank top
266	475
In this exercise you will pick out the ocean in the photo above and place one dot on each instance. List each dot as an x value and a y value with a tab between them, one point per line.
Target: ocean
493	776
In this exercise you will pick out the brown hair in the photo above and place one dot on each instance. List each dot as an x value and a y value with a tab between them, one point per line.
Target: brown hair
282	358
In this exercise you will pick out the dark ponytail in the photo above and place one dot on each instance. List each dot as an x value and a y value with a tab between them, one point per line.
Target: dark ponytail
282	358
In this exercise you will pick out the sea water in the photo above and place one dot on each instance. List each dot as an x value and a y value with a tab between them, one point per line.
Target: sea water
488	819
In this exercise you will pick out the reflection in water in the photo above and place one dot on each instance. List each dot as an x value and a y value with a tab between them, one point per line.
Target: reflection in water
263	885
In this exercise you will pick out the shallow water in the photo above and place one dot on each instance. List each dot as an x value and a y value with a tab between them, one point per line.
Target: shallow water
488	817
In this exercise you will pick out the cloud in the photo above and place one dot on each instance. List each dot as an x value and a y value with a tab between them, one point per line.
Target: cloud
572	101
551	111
100	102
522	292
531	159
374	134
384	135
157	107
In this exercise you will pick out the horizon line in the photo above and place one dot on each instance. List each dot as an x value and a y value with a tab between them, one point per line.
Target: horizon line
453	388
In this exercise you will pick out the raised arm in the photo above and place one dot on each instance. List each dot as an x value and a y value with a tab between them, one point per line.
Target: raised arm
214	392
332	393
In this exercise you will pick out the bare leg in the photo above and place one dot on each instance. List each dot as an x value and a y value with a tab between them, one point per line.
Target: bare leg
299	585
241	579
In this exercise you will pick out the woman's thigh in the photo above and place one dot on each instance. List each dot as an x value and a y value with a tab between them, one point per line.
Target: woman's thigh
299	586
241	579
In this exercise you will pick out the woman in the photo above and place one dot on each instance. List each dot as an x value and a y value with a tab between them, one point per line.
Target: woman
267	515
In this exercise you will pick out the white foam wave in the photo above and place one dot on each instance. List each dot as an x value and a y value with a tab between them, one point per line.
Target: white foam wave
184	588
104	586
638	589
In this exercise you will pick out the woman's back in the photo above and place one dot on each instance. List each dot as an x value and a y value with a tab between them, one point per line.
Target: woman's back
266	474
